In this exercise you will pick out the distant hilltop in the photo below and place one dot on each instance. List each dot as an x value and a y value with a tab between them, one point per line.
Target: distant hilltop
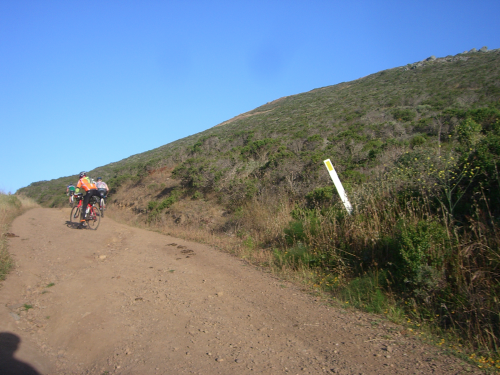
448	58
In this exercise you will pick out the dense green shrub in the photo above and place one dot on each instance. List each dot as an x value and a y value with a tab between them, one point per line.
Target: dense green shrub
259	148
320	196
420	245
417	140
193	173
373	144
403	114
468	132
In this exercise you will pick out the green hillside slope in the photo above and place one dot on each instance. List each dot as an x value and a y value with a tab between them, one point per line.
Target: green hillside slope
357	124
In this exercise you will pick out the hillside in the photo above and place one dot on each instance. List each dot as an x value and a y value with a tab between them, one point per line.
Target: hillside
418	150
362	125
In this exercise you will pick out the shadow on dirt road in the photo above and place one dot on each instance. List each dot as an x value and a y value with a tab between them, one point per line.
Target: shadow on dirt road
9	365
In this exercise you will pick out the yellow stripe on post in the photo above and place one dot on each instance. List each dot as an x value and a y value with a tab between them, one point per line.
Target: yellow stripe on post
329	165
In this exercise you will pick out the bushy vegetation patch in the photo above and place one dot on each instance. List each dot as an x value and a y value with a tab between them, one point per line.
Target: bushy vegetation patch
155	208
428	229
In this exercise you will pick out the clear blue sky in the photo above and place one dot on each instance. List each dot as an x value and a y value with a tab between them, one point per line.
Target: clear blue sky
86	83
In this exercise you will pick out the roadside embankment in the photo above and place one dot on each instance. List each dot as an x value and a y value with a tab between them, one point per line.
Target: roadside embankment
11	206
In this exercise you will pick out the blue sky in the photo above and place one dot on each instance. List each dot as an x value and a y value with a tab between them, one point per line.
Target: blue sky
87	83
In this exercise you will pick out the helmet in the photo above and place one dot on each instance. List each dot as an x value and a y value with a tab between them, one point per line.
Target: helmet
83	174
99	178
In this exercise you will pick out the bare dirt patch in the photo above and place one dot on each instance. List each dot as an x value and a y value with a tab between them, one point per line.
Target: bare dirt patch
123	300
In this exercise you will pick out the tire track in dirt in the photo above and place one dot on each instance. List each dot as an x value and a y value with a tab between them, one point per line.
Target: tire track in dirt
124	300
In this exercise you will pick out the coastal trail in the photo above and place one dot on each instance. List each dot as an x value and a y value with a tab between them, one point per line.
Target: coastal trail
123	300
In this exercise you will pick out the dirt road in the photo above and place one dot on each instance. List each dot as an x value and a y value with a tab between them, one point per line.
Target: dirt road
122	300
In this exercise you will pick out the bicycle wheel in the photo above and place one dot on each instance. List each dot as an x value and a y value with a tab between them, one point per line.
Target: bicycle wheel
102	207
94	217
74	217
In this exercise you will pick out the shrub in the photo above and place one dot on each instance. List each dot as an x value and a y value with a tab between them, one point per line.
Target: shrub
356	177
320	196
197	195
417	140
156	207
315	138
295	232
373	144
420	245
469	133
404	115
299	255
259	148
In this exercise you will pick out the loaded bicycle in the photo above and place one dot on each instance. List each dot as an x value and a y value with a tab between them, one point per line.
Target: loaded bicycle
92	215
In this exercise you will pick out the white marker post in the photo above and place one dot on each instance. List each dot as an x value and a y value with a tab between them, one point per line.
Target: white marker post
338	185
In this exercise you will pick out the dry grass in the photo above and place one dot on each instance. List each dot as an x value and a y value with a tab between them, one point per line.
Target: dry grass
188	230
11	206
246	233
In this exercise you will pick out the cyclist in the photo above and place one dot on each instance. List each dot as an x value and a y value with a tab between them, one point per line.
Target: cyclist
102	187
91	190
70	191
